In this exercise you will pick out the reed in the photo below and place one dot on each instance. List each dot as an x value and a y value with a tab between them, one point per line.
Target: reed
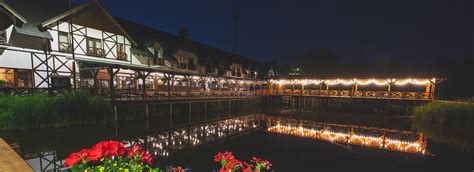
446	112
41	111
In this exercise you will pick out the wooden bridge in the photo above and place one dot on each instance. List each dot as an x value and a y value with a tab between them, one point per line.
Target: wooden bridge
399	89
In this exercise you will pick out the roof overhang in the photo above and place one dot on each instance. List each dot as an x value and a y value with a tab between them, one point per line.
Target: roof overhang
76	10
9	9
107	63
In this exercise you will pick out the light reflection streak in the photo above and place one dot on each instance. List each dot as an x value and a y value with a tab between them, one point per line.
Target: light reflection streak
164	143
394	140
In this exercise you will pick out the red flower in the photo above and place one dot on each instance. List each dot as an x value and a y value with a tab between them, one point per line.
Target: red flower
255	159
122	151
224	155
248	165
72	159
267	163
146	157
136	150
229	166
96	152
178	169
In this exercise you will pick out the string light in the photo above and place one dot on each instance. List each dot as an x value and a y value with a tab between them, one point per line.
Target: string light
381	142
379	82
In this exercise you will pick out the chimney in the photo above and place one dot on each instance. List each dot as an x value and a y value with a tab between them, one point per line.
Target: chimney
183	34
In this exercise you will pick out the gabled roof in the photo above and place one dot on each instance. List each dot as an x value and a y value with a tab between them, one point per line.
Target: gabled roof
12	11
79	9
35	12
147	36
53	20
209	56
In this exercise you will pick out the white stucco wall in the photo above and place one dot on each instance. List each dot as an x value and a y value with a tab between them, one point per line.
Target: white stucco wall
109	46
15	59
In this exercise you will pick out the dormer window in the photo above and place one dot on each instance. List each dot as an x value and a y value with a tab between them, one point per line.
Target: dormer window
182	62
64	42
156	53
191	65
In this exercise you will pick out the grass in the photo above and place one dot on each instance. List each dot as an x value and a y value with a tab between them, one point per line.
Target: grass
446	112
41	111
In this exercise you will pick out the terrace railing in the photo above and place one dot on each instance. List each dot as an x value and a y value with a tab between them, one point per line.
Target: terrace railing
27	91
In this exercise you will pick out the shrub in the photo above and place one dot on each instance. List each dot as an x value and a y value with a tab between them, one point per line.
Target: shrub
446	112
40	111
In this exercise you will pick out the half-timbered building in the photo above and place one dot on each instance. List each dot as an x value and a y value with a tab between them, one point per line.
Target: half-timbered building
55	44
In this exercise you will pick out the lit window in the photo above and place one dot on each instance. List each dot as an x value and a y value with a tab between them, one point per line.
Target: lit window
16	77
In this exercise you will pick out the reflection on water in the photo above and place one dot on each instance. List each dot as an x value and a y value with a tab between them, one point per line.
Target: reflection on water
170	143
395	140
164	143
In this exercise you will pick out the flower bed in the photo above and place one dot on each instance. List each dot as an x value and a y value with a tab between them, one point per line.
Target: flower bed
230	164
112	156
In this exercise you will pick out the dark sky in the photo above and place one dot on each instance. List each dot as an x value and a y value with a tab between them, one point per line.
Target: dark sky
269	29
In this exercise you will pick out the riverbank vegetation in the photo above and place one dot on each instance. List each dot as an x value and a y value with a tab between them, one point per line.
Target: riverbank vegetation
446	112
457	137
81	108
41	111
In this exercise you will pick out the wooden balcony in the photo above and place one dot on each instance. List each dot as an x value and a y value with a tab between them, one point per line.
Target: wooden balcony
122	56
97	52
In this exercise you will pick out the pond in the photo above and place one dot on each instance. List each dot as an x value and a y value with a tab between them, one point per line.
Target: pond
293	140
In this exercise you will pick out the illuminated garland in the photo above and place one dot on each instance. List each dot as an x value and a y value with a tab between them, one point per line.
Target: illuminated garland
351	138
380	82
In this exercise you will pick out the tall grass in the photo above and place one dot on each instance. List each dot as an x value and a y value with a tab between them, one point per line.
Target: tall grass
28	112
446	112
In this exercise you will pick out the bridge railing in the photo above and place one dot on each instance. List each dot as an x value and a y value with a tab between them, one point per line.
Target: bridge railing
357	94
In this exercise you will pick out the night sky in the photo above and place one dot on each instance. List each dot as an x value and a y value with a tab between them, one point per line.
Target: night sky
274	29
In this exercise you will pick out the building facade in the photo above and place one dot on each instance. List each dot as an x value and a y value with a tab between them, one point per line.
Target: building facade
54	44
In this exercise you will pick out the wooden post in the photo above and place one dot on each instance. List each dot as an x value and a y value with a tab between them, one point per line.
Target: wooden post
205	110
171	114
95	72
433	86
147	116
144	76
293	88
189	112
356	88
229	107
218	109
111	82
302	89
428	85
115	114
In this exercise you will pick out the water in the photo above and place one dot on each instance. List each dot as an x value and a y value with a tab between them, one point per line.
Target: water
447	148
